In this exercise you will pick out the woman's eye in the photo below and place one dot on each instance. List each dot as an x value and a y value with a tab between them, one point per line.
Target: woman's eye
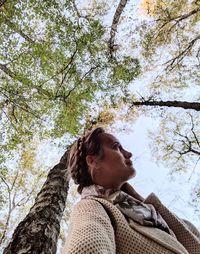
117	146
120	147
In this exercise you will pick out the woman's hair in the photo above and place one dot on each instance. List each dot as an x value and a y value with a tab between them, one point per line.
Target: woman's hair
89	144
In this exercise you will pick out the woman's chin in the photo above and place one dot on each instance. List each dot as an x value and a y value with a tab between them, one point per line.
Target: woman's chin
133	171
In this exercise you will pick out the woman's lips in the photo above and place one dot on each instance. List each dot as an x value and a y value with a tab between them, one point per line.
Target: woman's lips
129	163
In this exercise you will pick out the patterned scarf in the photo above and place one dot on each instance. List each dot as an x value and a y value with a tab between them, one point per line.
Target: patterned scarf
132	208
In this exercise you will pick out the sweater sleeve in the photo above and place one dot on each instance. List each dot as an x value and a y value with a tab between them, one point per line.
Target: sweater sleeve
90	230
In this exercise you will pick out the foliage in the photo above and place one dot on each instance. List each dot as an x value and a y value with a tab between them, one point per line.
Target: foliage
53	63
170	40
177	141
170	46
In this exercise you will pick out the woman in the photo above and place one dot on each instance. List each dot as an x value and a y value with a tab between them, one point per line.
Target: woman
111	216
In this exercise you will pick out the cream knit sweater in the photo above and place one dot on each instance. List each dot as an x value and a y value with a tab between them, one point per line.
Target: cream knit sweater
97	226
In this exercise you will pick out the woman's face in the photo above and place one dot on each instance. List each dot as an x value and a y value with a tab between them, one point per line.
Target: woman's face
115	168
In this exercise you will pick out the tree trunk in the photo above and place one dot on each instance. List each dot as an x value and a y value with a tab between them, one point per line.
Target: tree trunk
38	232
178	104
115	22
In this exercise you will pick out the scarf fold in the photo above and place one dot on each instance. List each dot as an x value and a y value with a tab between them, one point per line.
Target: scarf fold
132	208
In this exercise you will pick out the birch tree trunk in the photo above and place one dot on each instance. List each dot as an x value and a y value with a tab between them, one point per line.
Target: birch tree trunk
117	15
38	232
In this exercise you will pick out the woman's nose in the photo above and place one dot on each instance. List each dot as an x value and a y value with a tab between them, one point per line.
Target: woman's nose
127	154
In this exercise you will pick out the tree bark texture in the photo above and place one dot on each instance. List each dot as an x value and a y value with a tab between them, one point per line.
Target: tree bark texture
38	232
177	104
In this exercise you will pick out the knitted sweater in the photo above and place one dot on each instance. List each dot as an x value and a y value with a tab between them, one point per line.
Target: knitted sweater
97	226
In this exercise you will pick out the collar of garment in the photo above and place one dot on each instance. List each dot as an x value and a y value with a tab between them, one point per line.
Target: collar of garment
131	208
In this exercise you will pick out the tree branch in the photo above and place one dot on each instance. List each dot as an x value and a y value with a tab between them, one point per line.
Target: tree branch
192	130
63	68
177	59
65	96
177	104
19	31
179	18
27	108
188	144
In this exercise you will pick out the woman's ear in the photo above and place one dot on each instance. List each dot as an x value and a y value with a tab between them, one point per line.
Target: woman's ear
91	160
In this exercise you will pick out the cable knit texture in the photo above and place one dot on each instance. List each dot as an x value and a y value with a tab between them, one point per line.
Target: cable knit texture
97	226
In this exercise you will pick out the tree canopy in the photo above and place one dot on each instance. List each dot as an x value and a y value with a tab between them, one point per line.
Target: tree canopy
67	64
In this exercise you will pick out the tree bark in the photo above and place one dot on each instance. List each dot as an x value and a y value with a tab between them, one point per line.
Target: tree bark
177	104
115	22
38	232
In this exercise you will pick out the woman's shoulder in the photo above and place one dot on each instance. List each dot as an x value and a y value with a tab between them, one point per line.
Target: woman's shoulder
89	205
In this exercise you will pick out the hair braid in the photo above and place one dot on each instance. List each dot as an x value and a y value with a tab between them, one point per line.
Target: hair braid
89	144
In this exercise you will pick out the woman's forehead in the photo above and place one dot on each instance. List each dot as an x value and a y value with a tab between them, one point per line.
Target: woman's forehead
107	138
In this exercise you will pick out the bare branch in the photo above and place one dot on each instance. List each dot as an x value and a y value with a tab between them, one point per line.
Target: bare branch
177	59
188	144
78	12
193	169
192	130
14	181
4	181
24	200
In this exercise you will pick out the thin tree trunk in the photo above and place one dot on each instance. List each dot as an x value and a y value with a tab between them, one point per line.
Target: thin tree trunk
38	232
9	211
177	104
115	22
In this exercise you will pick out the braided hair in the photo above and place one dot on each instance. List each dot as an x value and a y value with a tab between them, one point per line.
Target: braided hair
89	144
